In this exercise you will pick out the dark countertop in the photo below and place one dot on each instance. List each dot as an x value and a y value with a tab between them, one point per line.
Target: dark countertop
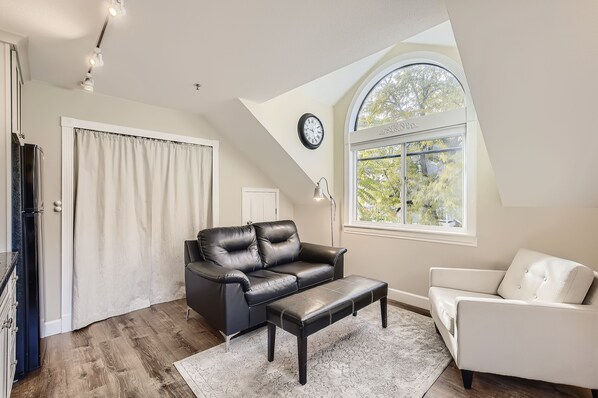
8	261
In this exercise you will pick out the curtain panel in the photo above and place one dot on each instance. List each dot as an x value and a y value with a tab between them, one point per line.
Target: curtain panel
136	201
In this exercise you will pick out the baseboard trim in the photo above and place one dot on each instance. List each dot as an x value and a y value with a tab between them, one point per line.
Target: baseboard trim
51	328
409	298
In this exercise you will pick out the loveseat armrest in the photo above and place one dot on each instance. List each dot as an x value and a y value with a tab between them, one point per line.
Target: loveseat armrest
471	280
312	253
216	273
544	341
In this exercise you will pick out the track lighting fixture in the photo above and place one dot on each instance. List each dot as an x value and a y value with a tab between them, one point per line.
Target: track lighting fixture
117	8
88	83
96	61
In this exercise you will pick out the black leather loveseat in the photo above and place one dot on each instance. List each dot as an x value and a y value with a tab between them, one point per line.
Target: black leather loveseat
231	273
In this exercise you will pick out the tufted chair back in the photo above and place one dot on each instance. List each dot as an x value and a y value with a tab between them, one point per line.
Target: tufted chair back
535	276
278	242
230	247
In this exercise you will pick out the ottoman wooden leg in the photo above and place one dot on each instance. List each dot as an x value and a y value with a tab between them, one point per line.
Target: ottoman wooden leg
271	340
383	311
302	351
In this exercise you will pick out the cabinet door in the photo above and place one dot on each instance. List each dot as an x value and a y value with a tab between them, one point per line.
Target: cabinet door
15	87
5	326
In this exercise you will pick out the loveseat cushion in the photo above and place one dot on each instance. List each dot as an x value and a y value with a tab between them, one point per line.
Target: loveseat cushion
266	286
443	302
231	247
278	242
307	274
540	277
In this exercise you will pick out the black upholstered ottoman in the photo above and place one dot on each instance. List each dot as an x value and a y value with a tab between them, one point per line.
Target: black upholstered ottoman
305	313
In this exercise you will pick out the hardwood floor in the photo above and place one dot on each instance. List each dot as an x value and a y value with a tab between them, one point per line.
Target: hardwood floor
132	355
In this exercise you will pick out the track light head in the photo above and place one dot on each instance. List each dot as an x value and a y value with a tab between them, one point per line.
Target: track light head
96	60
88	83
117	8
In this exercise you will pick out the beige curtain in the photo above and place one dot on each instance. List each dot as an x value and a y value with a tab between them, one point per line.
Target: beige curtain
136	201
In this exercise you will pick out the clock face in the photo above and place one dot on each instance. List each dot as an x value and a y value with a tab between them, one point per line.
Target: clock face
311	131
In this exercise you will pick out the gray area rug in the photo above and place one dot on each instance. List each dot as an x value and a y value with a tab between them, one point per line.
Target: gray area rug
354	357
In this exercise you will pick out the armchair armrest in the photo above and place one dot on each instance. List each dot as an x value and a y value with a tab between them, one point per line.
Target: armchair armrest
544	341
216	273
471	280
312	253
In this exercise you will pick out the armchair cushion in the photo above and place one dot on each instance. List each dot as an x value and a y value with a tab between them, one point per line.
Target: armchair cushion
540	277
307	274
267	285
444	302
278	242
231	247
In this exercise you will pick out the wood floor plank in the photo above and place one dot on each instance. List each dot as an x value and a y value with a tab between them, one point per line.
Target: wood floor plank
132	355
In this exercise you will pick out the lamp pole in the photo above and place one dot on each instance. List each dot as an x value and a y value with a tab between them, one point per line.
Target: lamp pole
319	195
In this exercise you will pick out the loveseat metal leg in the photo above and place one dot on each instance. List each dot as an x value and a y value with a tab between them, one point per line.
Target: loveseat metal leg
227	340
187	313
467	376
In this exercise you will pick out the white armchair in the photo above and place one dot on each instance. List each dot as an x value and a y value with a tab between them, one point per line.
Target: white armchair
537	320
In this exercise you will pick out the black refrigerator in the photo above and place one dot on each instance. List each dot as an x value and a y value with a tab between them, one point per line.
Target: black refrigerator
30	239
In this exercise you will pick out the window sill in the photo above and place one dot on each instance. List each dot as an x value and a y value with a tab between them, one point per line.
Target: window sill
445	237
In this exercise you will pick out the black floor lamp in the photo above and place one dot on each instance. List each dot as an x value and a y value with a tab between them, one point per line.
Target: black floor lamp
319	195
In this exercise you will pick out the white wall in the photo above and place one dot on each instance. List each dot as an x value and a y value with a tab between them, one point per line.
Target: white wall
501	231
280	116
44	104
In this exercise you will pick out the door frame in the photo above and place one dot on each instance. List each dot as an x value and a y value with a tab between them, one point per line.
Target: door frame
245	190
67	215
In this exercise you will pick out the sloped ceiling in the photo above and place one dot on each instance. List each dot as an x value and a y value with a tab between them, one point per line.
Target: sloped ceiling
532	70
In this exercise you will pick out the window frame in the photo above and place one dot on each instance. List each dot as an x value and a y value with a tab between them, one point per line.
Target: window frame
431	126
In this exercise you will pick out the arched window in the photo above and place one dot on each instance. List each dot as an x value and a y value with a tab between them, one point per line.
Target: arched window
408	151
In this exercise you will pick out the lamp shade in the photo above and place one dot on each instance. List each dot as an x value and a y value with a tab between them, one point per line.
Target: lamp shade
318	195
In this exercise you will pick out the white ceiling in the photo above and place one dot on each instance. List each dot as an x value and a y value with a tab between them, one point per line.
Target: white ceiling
255	50
531	68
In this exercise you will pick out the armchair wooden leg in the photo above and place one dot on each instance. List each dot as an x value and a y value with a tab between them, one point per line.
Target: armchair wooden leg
594	393
467	376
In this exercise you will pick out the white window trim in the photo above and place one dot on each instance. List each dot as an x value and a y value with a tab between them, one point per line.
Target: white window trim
67	215
433	234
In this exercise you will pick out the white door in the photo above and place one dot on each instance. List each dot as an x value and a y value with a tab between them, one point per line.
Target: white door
259	204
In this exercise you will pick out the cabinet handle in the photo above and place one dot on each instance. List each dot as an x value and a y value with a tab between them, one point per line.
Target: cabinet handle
15	305
7	324
16	329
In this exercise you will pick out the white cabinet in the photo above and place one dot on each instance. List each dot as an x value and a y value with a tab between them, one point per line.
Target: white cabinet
11	82
8	333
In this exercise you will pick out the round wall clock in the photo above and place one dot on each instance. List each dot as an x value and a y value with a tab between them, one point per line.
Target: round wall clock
311	131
